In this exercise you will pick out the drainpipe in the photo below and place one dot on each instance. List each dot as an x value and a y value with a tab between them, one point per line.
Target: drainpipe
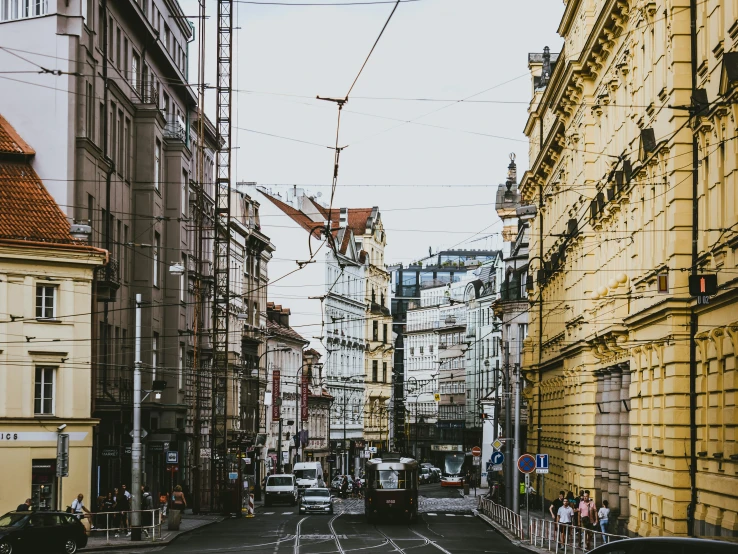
693	319
540	303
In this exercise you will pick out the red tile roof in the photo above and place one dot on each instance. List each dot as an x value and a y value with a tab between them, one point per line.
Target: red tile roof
288	332
297	216
27	211
357	218
11	142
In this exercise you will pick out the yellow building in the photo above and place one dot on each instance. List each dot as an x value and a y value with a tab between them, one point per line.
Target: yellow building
45	338
611	174
371	240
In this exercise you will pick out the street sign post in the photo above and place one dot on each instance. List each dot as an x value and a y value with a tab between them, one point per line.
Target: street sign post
526	463
477	460
498	458
497	444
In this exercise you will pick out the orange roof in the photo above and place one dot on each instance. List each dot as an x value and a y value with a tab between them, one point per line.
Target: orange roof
28	213
297	216
357	218
11	142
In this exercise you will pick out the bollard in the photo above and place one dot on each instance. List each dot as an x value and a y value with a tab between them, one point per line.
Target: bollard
251	506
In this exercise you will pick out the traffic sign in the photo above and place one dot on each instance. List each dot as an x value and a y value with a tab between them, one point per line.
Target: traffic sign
372	449
476	451
477	460
436	397
541	463
497	468
526	463
497	444
498	458
232	475
172	456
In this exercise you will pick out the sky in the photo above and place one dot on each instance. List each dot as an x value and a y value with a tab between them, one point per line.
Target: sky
434	186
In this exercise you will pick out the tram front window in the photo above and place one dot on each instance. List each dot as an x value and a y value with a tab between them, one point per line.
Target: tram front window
390	479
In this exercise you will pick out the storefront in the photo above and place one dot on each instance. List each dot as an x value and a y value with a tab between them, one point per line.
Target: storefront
28	454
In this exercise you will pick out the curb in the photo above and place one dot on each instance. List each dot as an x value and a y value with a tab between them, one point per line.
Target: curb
145	544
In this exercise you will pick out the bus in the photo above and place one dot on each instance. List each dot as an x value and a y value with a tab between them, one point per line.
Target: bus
391	488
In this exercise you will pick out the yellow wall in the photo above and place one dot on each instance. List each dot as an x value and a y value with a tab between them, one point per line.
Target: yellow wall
605	326
64	344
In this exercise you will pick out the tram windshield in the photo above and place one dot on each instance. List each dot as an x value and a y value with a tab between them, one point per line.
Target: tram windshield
454	463
388	479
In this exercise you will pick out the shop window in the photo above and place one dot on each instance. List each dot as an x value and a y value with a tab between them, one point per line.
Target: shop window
43	484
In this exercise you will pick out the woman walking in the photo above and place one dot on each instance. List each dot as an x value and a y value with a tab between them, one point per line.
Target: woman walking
604	516
179	499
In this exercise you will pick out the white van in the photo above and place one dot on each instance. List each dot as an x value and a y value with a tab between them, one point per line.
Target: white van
280	488
308	474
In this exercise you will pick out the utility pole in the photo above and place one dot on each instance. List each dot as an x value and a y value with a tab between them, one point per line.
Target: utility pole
516	445
136	448
345	450
508	430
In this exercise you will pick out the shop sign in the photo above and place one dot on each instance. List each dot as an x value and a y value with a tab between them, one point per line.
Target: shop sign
446	447
38	436
156	447
276	393
110	452
304	397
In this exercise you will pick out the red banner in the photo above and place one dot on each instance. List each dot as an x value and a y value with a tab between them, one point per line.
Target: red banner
304	398
276	393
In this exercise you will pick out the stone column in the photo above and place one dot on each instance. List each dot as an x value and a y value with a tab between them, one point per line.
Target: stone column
623	468
599	384
613	420
604	438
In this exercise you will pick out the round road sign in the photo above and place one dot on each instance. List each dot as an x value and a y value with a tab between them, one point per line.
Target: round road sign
526	463
476	451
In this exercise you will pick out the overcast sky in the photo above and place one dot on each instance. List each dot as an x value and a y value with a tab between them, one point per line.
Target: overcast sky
433	49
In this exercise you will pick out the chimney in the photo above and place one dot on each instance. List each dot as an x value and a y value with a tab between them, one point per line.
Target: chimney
284	317
343	220
546	70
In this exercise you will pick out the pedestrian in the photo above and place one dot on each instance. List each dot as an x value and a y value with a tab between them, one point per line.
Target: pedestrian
124	506
147	504
556	504
79	509
178	498
108	509
604	516
163	502
344	487
587	516
25	507
564	517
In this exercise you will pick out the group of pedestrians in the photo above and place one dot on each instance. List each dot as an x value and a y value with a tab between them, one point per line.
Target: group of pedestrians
112	511
568	510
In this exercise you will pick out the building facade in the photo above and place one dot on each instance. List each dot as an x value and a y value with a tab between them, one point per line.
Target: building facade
46	296
632	380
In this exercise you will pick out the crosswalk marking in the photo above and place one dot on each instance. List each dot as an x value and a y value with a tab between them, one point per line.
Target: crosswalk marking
268	513
450	515
287	513
430	514
468	515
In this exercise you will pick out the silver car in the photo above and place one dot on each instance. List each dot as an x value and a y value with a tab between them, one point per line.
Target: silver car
316	500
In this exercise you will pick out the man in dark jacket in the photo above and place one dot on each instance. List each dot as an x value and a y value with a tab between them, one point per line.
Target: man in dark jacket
25	507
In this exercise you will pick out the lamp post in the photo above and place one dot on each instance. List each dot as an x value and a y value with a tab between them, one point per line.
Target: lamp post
298	395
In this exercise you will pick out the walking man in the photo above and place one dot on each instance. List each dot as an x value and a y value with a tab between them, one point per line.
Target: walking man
564	517
587	517
555	505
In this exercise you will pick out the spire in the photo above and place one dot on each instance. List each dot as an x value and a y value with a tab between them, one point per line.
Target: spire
512	173
546	70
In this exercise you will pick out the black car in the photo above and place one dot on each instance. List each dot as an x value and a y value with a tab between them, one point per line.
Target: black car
41	532
666	545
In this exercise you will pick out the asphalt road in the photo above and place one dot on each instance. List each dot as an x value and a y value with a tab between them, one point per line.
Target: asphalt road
282	530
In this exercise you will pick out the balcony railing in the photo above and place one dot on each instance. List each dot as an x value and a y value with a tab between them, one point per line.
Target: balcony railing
115	390
107	281
174	129
145	94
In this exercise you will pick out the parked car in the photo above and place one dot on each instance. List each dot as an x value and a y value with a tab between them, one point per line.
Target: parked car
336	484
424	475
435	475
316	500
41	532
279	488
672	545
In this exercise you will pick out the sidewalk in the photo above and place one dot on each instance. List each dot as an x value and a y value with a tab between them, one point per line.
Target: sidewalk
99	541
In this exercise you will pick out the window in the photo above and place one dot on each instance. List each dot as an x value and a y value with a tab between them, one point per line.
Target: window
384	332
121	144
19	9
135	63
185	190
119	48
101	125
43	402
157	164
45	301
183	279
127	150
155	258
181	366
375	331
124	257
154	355
375	371
384	372
90	123
125	58
412	350
421	349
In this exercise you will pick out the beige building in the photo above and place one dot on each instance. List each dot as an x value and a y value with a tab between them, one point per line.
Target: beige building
45	338
611	176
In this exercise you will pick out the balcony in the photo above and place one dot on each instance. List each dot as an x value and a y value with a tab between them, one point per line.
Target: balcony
379	309
107	281
175	130
145	94
114	391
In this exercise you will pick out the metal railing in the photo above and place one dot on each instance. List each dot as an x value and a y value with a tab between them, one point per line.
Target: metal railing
503	516
119	523
565	538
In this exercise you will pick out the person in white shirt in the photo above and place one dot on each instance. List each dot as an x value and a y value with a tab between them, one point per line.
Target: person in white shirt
564	516
604	516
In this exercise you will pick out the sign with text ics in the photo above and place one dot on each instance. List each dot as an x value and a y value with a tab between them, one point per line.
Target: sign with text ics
276	392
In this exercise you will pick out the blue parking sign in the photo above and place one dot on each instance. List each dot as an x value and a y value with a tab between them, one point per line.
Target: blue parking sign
541	463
